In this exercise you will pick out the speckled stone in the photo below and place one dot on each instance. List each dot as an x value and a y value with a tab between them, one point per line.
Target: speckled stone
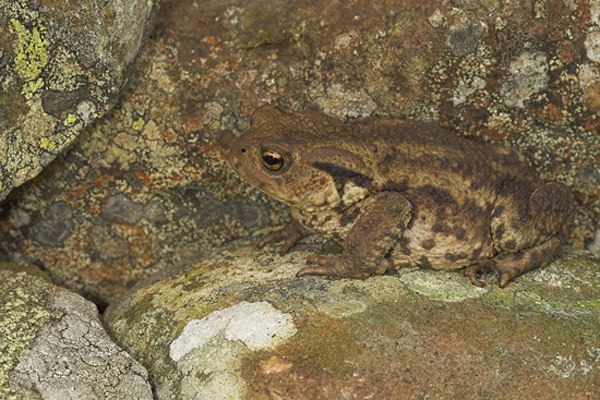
414	334
148	187
63	64
53	345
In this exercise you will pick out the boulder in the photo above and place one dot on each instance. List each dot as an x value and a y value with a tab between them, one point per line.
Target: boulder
53	345
240	325
63	65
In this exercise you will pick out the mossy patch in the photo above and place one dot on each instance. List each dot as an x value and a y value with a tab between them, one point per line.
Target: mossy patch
324	343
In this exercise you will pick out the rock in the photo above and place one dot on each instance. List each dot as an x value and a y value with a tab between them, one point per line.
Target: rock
63	65
148	187
240	325
53	345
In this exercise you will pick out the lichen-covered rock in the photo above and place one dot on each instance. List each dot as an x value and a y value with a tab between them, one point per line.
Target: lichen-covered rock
148	186
63	64
240	325
53	345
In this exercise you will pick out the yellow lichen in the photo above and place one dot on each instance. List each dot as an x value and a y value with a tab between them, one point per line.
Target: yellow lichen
48	144
70	120
31	49
138	125
31	87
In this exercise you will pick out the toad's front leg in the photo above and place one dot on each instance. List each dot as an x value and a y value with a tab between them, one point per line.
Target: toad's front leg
290	234
374	234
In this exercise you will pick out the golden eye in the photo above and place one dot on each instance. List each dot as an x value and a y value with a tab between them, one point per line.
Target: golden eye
272	160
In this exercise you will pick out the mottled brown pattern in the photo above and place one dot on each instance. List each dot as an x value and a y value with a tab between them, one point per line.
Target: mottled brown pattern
431	199
428	244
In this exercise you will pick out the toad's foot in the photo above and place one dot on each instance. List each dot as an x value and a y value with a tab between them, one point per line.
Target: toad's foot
511	265
474	272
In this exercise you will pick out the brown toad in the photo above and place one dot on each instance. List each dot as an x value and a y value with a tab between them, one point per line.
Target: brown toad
399	193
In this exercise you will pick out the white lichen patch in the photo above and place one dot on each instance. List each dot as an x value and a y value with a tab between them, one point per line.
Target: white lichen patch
464	90
528	75
594	245
344	41
566	367
87	111
257	325
588	75
441	285
592	46
437	19
595	11
345	103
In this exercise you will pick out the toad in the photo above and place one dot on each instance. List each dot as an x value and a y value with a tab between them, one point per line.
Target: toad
400	193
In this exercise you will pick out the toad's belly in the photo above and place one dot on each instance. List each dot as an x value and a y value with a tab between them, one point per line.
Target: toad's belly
439	248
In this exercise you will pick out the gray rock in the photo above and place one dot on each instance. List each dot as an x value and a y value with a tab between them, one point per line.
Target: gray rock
57	226
63	65
53	345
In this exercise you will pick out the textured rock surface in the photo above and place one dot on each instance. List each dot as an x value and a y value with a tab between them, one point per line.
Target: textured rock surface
147	187
62	64
53	345
239	325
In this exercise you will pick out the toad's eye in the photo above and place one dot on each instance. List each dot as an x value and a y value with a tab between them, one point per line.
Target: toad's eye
272	160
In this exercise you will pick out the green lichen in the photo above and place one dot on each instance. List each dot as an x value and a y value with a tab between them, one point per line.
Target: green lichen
31	49
440	285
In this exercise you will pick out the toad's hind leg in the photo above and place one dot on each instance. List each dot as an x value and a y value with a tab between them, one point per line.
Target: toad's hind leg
525	237
379	226
511	265
547	213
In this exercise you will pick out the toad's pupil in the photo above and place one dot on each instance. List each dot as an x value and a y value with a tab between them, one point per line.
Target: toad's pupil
271	160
